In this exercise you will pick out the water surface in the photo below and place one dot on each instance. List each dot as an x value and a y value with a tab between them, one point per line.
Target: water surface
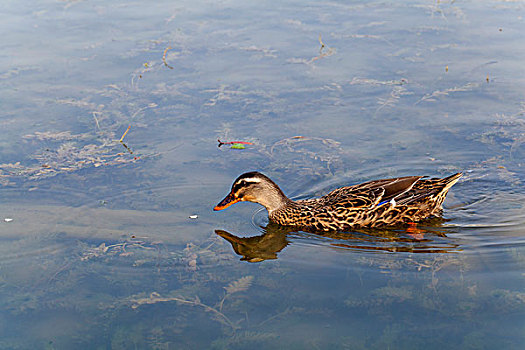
98	249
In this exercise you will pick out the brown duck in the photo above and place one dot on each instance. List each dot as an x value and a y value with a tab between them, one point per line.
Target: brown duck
385	202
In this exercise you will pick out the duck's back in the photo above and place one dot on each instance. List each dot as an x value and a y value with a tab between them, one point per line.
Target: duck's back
376	203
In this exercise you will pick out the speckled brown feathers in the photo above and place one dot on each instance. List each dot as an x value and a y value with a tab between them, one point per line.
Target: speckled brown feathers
376	203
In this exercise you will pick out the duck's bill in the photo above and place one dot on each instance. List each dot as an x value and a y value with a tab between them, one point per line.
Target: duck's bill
226	202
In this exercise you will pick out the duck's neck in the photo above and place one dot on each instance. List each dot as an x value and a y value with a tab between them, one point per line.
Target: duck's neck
274	199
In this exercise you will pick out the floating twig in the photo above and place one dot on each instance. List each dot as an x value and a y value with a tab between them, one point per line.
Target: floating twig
322	54
128	149
322	44
164	58
96	120
124	135
122	138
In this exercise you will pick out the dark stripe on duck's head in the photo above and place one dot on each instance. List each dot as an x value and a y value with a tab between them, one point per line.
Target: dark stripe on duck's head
251	177
247	179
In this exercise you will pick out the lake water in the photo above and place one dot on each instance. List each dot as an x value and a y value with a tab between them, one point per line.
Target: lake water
114	245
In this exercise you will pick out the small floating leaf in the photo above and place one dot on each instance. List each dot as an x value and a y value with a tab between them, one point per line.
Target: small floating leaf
238	146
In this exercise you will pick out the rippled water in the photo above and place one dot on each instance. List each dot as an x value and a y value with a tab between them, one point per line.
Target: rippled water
114	245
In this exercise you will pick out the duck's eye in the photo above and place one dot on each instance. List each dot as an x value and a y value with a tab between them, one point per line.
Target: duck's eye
238	186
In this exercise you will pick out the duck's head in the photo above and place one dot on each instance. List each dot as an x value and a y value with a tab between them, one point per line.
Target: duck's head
254	187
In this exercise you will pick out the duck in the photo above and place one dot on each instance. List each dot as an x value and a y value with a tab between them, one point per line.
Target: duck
378	203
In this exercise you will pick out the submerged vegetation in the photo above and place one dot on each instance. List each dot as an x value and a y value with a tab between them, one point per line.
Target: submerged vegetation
181	286
110	168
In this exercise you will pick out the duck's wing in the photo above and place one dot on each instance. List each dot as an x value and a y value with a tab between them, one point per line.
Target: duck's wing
396	189
435	187
373	193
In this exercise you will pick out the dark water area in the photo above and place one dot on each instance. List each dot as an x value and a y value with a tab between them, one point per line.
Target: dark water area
110	169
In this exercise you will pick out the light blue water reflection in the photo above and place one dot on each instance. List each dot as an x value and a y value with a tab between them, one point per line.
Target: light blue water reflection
98	249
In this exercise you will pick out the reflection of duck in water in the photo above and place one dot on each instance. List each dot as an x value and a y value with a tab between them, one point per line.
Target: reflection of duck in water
275	238
257	248
376	203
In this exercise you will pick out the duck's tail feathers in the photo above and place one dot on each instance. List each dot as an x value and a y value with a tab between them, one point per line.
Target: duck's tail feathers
450	181
435	187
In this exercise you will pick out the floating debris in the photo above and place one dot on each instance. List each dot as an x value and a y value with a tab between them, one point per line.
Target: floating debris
164	58
124	135
432	97
122	138
8	219
366	81
73	152
194	216
233	143
322	54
